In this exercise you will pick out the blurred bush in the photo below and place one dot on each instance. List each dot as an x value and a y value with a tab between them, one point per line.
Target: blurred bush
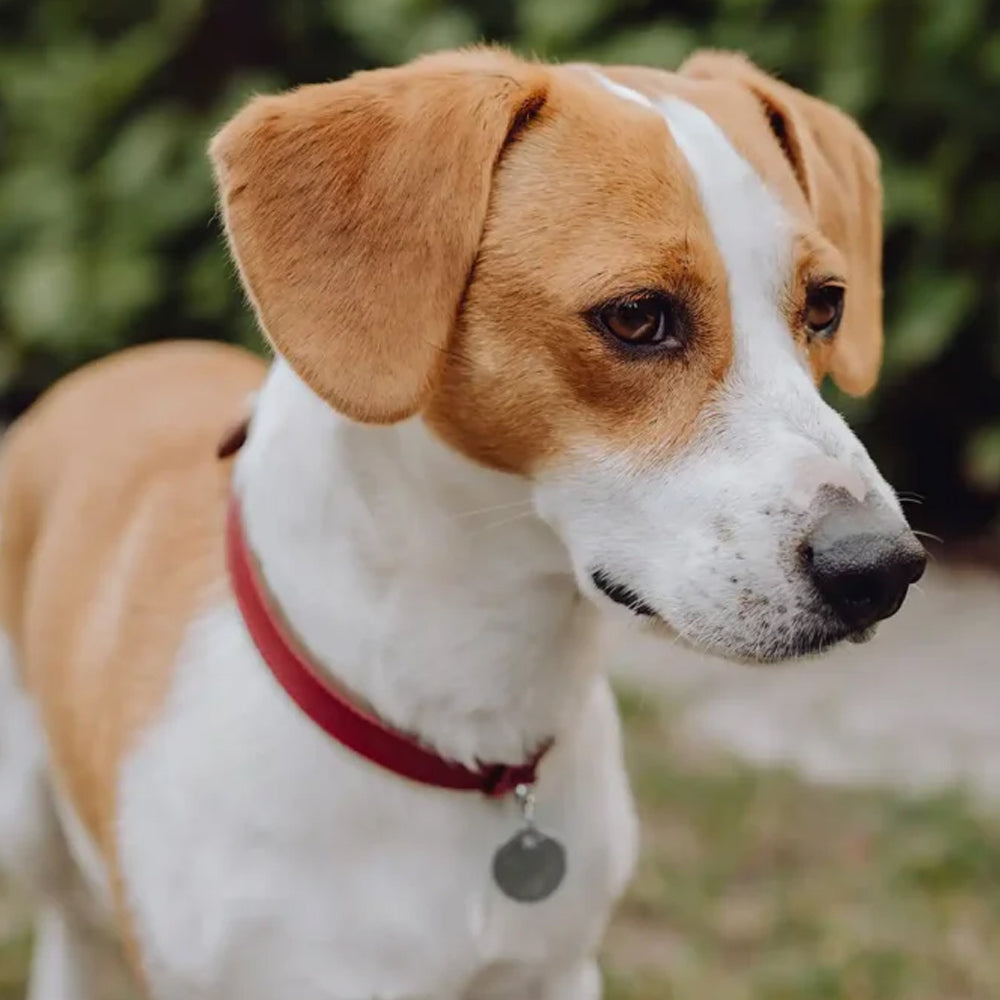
107	233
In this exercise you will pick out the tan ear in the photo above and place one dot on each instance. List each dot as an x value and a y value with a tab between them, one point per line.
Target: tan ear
355	211
838	170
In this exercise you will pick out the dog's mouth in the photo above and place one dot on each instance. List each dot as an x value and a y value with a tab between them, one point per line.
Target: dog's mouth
621	594
819	637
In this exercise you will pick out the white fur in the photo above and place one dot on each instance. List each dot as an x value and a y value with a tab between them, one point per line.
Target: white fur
710	538
262	859
86	856
44	849
30	848
423	580
621	90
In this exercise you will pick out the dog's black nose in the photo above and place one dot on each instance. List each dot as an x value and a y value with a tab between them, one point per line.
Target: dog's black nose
862	561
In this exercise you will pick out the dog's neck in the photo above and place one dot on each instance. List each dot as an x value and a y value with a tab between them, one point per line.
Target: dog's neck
424	583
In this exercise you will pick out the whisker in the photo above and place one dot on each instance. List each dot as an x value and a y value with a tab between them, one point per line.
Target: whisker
927	534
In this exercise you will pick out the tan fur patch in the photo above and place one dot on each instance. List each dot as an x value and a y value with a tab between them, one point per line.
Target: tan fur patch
355	209
397	266
113	504
592	203
837	169
824	170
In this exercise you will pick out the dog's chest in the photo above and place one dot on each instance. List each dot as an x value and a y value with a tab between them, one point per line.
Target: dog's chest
259	856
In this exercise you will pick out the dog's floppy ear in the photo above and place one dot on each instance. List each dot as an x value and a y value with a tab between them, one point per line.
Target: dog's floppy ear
838	171
355	211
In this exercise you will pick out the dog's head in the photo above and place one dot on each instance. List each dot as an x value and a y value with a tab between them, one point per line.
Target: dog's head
620	283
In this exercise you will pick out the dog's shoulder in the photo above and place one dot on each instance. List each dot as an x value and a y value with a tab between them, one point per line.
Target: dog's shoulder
112	499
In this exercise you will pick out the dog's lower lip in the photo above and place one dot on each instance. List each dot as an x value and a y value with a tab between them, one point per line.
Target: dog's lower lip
621	594
825	637
865	635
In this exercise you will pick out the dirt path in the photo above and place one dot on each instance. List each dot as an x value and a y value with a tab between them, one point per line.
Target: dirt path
919	706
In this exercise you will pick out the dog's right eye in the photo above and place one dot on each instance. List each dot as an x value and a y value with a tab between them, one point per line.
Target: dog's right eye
824	309
652	321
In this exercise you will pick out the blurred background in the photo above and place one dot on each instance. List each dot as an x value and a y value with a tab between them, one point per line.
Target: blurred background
807	832
107	233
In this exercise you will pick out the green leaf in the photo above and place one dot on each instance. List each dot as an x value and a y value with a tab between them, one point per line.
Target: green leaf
553	26
982	458
41	290
663	43
933	309
122	284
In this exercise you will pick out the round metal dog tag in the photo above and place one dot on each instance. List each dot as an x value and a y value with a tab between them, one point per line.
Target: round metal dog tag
530	866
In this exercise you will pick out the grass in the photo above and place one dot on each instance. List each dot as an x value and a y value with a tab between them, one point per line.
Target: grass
15	951
755	885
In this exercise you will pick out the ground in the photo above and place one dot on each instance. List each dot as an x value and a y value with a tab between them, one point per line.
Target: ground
757	885
918	707
803	838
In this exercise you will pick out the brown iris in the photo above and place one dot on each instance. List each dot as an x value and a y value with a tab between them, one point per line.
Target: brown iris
824	310
647	321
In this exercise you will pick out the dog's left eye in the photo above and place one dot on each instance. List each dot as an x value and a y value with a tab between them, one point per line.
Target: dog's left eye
824	309
648	321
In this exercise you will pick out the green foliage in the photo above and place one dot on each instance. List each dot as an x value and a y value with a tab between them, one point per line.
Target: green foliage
107	234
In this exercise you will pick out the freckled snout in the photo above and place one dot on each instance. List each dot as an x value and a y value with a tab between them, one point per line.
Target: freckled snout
862	560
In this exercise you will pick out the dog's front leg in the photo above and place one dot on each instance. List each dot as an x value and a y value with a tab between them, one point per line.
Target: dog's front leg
65	964
581	982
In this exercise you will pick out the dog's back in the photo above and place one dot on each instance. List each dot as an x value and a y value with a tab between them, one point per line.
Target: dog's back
111	512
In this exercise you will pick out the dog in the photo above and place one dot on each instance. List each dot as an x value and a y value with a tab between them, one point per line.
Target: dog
324	714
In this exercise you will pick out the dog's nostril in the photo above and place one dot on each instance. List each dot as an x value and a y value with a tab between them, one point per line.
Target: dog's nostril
862	580
862	564
858	590
919	564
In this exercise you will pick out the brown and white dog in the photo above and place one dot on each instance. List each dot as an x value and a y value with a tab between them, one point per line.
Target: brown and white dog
548	342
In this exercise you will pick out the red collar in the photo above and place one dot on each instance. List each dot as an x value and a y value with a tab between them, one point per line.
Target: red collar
356	729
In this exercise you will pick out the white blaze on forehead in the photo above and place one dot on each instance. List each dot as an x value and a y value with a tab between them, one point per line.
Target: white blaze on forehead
780	415
755	237
774	417
748	222
622	91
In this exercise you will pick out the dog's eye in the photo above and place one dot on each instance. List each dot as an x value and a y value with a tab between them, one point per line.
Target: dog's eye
824	309
649	321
